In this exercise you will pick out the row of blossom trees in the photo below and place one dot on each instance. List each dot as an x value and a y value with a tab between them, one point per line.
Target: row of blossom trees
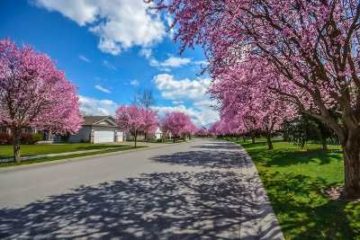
140	120
179	125
248	106
310	47
34	93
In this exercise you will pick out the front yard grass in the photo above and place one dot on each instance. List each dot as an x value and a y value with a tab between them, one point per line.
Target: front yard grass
33	150
6	151
295	181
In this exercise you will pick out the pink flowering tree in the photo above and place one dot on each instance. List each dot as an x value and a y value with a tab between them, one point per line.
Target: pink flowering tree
213	130
131	119
203	132
151	122
136	120
178	124
312	45
34	93
247	103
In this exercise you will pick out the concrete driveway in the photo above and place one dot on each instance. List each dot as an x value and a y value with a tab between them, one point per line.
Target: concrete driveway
205	189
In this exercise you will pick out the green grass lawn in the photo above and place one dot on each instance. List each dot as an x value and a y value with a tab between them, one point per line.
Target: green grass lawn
295	180
31	150
6	151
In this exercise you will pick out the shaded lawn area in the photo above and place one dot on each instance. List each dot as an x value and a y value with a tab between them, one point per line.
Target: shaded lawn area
6	151
295	180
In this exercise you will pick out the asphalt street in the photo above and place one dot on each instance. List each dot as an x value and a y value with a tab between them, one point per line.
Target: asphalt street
204	189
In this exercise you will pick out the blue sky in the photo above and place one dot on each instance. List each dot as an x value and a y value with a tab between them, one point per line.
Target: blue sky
112	49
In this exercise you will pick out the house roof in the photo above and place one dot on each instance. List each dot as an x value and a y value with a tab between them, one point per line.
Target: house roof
95	120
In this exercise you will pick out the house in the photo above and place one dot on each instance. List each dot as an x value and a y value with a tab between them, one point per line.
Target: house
98	129
158	134
95	129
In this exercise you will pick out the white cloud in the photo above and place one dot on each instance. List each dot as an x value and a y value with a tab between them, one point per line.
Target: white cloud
201	62
119	24
83	58
109	46
135	83
167	64
102	89
173	89
146	52
175	62
109	65
170	22
194	92
170	62
93	106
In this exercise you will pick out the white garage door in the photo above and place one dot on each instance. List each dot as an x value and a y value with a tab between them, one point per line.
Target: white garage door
120	136
103	136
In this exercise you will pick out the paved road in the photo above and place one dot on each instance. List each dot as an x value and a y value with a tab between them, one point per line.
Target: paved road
205	189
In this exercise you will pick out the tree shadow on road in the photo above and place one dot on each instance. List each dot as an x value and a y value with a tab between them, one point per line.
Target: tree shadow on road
210	159
177	205
219	145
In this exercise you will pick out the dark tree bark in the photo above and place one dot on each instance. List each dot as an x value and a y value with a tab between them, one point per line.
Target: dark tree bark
16	132
324	143
351	148
323	134
135	138
253	139
269	142
302	142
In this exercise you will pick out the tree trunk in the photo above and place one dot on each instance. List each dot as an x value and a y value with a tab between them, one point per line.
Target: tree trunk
16	132
286	136
324	143
351	150
244	139
302	142
323	136
269	142
135	138
253	138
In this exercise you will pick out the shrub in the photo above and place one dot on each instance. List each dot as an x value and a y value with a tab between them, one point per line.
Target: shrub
5	138
26	138
36	137
30	138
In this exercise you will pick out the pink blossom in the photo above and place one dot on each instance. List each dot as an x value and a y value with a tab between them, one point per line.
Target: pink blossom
310	47
136	120
34	93
178	124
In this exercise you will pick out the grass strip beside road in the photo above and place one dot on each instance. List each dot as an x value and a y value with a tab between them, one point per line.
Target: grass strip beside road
109	149
295	181
6	151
